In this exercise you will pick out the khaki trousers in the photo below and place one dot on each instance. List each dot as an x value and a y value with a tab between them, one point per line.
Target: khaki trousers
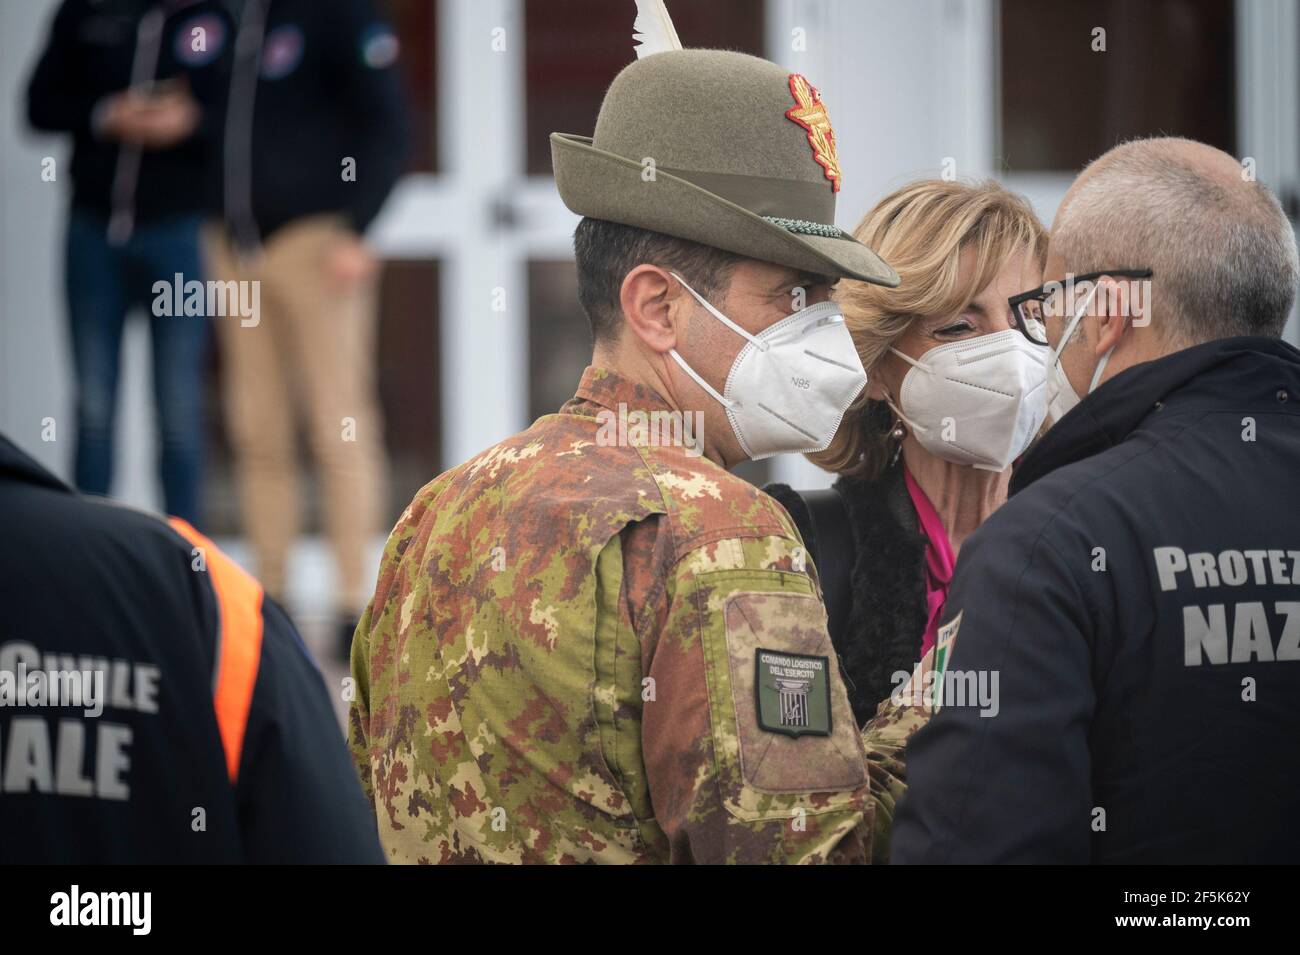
310	357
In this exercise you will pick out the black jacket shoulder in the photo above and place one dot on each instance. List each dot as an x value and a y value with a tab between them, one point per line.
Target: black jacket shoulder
89	585
1131	613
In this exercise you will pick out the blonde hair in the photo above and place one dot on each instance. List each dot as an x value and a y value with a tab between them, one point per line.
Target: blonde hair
921	230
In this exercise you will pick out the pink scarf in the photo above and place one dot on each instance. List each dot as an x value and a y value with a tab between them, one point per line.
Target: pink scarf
939	560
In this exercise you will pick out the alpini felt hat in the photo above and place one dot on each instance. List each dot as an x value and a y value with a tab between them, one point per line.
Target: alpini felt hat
721	148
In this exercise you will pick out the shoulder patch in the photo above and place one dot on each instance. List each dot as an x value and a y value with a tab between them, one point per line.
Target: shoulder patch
944	639
783	692
792	693
924	689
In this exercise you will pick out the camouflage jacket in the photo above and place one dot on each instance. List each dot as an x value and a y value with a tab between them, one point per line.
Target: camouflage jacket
590	650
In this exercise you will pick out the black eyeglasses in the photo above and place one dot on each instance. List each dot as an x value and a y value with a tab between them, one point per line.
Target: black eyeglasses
1030	308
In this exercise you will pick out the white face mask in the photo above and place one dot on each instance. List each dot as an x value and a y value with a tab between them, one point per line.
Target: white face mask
978	401
1061	396
791	384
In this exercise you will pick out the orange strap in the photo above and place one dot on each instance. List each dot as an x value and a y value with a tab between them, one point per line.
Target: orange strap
239	647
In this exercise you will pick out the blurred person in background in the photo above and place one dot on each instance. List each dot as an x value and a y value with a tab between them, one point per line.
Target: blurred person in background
155	706
313	140
1138	596
135	83
956	392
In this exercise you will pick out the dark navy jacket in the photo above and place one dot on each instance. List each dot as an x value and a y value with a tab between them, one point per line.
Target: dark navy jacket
90	54
84	581
1138	599
311	84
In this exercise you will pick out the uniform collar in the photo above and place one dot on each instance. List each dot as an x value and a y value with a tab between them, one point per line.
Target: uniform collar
610	390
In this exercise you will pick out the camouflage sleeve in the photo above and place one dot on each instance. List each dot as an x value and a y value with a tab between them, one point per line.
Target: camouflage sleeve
885	739
359	708
750	746
392	574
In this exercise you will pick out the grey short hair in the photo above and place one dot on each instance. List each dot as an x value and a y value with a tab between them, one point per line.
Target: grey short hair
1222	251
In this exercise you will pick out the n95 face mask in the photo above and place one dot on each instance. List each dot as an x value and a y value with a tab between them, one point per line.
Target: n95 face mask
1061	396
790	384
978	401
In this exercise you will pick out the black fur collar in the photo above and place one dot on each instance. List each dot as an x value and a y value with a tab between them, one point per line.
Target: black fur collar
887	620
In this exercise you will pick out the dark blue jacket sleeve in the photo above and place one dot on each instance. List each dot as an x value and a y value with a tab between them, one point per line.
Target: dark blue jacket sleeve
59	98
1014	785
298	794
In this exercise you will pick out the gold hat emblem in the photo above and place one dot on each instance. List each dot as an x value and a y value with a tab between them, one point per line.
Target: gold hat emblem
810	113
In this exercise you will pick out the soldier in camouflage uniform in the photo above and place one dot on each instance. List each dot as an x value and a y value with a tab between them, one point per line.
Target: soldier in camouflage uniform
589	645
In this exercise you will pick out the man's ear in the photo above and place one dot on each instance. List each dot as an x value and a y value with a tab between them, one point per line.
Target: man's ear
652	306
1111	309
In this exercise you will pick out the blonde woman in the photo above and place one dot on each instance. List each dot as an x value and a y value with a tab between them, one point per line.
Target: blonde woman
956	392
